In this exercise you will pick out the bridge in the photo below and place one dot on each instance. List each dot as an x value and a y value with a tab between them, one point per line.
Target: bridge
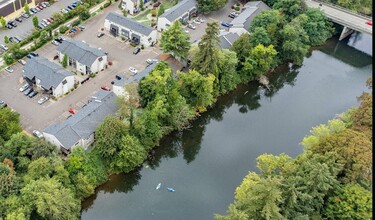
349	19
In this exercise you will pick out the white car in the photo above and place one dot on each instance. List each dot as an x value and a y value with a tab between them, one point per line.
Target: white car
37	134
24	87
55	43
22	62
133	70
9	69
186	30
43	100
197	21
3	47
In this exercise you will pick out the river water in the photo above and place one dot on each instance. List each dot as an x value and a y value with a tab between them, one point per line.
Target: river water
205	163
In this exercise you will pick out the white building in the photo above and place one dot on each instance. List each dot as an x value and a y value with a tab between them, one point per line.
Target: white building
82	57
119	86
79	129
182	11
133	6
49	76
241	23
137	33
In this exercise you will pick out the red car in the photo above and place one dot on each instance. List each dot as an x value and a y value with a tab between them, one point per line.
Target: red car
106	88
49	20
40	7
369	23
156	4
71	110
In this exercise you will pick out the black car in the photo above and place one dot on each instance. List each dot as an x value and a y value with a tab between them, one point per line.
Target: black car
32	94
34	54
118	77
28	91
19	19
9	26
40	26
13	23
70	7
136	50
100	34
59	39
17	39
11	39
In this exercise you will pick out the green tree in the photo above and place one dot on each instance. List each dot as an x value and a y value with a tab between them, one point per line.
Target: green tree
295	42
58	17
228	77
50	199
35	21
9	183
129	103
317	26
129	155
352	202
209	6
84	15
27	8
290	8
260	60
109	136
141	5
64	62
260	36
3	22
10	124
174	40
197	89
125	13
362	117
242	48
6	39
161	9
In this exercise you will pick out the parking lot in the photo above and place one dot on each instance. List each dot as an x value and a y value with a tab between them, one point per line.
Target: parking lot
35	116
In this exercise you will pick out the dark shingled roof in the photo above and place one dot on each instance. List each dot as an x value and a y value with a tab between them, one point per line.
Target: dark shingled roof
84	122
49	73
251	9
80	51
129	23
179	9
227	40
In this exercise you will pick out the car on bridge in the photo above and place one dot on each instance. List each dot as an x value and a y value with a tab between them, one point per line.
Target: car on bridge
369	23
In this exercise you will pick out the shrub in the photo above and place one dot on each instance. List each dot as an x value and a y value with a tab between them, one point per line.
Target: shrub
236	8
76	22
108	3
153	12
142	47
63	29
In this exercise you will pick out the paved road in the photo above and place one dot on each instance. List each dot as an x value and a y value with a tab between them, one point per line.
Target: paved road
351	20
26	27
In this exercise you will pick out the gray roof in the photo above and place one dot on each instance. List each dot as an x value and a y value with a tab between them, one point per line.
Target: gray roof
179	9
80	51
49	73
84	122
227	40
129	23
251	9
137	76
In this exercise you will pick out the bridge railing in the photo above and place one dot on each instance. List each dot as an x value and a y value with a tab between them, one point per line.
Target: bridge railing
344	9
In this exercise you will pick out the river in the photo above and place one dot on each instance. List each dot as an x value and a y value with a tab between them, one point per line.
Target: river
205	163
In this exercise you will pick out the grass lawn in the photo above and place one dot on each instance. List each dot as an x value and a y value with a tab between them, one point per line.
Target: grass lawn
168	4
143	15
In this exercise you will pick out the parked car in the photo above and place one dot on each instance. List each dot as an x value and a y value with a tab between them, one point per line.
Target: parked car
225	24
136	50
186	30
43	100
13	23
149	61
369	23
34	54
33	93
2	46
70	7
37	134
197	21
233	14
3	104
18	39
49	20
64	11
59	39
19	19
28	91
46	4
9	26
156	4
100	34
40	7
133	70
46	21
24	87
106	88
191	26
22	62
55	43
40	26
81	27
71	110
9	69
25	15
34	10
37	9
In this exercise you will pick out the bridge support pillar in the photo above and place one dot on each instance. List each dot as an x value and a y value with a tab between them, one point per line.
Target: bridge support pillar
345	32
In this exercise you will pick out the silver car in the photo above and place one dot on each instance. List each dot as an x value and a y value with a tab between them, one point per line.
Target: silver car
24	87
37	134
43	100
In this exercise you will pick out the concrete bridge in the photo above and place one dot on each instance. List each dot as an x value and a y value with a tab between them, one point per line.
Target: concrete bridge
350	20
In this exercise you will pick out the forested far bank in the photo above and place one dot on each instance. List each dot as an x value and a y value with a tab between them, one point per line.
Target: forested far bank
332	179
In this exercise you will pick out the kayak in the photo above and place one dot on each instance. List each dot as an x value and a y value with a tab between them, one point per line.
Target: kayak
170	189
158	186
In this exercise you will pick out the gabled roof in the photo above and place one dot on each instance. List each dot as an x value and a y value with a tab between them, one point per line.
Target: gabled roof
135	78
227	39
129	23
49	73
250	10
179	9
84	122
80	51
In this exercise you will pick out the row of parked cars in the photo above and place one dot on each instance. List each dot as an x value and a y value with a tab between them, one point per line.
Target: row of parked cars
71	7
40	6
28	90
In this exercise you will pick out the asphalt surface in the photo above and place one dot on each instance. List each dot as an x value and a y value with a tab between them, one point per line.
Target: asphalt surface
26	27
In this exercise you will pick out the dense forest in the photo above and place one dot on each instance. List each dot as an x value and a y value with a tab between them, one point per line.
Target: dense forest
332	179
36	182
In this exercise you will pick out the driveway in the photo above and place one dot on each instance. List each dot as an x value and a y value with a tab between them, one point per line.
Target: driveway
35	116
25	28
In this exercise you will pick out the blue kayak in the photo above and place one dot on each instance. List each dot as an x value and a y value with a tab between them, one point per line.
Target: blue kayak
170	189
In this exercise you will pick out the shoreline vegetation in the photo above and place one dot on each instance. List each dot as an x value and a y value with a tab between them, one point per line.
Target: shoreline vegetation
35	183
